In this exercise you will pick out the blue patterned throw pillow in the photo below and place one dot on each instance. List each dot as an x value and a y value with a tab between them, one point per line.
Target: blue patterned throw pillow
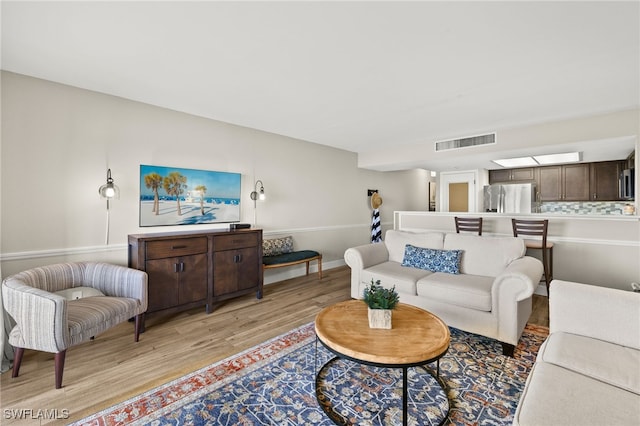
432	259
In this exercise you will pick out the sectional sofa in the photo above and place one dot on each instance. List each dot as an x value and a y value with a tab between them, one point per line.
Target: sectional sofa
587	372
480	284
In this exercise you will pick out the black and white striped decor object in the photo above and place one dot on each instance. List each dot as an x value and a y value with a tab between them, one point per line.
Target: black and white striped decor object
376	229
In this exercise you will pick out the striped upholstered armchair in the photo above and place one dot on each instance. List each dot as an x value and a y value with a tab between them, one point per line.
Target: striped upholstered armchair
59	306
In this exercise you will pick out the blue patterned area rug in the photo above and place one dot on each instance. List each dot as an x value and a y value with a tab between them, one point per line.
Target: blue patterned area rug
274	384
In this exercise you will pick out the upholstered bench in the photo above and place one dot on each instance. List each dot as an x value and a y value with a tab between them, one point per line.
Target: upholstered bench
278	253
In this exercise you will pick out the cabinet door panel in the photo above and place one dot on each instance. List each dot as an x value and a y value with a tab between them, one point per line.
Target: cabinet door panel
163	283
499	176
605	180
225	272
193	278
550	183
576	182
248	269
526	174
235	270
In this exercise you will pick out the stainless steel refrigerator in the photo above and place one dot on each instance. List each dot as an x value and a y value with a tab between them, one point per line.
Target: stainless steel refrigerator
510	198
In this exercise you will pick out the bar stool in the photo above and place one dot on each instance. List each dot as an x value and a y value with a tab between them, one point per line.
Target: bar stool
469	224
537	228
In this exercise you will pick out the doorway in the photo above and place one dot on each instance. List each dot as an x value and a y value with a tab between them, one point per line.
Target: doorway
458	191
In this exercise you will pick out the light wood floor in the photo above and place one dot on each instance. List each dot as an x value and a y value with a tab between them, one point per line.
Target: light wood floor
113	367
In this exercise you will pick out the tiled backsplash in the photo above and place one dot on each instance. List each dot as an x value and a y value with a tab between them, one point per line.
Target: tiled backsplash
584	207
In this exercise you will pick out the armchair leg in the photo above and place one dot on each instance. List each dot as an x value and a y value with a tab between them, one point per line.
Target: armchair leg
59	361
17	360
508	349
139	326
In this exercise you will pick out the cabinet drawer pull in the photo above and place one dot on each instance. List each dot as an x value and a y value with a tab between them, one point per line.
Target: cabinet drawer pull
237	258
177	247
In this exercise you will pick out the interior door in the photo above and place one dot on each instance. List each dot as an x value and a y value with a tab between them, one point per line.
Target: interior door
458	191
459	197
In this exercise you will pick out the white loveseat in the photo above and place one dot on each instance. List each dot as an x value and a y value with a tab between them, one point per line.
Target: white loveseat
490	296
587	372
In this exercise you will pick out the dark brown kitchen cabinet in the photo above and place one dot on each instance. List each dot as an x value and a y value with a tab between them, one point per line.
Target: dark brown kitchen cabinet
605	180
568	182
189	269
525	174
550	183
576	182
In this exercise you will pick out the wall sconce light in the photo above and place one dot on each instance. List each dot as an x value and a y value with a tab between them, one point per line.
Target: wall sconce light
258	194
108	191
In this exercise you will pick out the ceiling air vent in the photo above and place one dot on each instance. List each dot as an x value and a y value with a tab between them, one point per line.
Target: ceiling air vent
466	142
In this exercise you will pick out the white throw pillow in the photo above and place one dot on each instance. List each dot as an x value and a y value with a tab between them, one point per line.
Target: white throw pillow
74	293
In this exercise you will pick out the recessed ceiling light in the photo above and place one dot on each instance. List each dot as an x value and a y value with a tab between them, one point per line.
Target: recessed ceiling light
516	162
567	157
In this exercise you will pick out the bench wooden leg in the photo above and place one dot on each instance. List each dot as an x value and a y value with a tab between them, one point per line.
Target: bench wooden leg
320	267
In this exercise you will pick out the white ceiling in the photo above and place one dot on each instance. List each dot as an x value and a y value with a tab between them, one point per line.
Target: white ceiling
360	76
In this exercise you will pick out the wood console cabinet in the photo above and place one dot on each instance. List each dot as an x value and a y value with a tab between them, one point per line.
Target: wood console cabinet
190	268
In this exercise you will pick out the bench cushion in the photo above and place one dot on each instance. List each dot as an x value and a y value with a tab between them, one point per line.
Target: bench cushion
295	256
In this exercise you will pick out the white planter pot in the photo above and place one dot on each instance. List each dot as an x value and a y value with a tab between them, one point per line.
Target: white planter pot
380	318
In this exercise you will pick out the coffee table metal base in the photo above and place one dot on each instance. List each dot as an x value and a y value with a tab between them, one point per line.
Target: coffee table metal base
433	409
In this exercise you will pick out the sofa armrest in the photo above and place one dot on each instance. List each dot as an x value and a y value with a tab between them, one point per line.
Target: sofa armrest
602	313
362	257
43	314
525	271
367	255
511	297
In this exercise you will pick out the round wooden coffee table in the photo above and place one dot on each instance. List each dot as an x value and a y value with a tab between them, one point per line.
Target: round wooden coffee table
417	338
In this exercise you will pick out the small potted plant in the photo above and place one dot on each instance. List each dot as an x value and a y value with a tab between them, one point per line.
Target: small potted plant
380	301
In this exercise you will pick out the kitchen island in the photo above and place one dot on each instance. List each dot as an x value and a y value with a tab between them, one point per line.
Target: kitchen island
603	250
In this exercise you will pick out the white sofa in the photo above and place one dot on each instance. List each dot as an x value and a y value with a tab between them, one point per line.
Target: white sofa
587	372
490	296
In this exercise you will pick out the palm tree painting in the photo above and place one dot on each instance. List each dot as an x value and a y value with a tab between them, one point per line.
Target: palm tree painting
153	181
179	196
201	189
175	185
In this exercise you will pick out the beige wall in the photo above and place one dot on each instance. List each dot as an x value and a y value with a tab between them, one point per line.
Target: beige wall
58	141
